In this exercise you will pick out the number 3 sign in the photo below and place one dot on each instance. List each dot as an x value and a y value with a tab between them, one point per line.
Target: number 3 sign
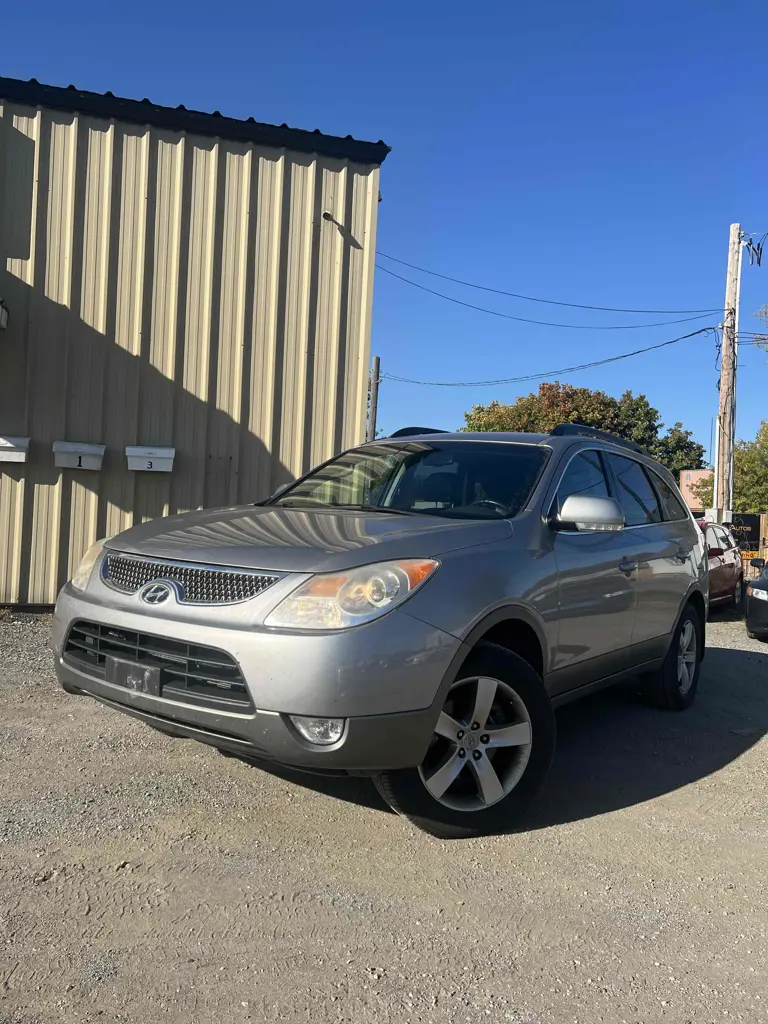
150	460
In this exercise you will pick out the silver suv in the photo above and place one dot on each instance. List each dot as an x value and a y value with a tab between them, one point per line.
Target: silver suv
412	610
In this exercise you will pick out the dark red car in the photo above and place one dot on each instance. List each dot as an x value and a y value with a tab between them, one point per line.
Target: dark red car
726	572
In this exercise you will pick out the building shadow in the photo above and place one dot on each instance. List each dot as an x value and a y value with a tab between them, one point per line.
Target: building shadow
113	341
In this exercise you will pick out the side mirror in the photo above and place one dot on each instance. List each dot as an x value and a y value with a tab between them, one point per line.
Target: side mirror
589	515
757	563
715	552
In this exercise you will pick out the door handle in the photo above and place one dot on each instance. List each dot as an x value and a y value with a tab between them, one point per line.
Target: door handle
628	565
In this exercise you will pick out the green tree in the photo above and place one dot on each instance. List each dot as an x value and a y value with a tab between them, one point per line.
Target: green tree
750	476
677	450
631	417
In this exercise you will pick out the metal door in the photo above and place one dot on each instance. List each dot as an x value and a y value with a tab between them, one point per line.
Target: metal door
596	598
663	549
719	574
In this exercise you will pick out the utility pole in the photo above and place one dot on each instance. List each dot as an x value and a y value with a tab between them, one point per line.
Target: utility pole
725	434
373	404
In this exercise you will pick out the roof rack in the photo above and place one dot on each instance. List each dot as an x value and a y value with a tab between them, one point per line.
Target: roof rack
411	431
580	429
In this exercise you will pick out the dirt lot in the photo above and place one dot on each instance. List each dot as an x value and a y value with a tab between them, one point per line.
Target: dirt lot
146	879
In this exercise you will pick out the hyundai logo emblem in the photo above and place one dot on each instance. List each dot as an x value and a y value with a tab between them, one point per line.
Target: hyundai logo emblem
155	593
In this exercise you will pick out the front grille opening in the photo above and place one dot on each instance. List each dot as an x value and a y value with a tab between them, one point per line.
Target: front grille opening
198	584
189	673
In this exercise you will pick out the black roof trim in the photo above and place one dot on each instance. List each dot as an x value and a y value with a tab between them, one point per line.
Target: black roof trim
196	122
579	429
414	431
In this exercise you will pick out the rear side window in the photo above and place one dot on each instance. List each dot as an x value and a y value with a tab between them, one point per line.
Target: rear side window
635	493
673	507
726	541
583	477
713	541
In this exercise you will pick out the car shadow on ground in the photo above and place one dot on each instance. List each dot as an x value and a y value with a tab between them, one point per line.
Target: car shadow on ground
359	791
613	751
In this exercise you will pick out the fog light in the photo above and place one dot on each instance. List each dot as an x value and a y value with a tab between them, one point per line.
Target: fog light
319	730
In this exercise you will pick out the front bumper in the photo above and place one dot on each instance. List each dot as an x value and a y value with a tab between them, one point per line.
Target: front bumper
756	614
386	679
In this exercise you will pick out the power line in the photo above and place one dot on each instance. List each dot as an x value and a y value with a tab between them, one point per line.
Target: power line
542	323
548	373
531	298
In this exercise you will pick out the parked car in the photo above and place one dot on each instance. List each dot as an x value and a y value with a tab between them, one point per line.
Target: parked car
726	572
756	610
412	610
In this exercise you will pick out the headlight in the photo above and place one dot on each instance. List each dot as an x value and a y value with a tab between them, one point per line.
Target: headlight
340	600
83	572
758	595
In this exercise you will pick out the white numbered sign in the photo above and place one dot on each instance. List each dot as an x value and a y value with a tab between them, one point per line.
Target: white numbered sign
76	455
150	460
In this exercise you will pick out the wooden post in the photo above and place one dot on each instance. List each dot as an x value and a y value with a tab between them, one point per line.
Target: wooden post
726	421
373	405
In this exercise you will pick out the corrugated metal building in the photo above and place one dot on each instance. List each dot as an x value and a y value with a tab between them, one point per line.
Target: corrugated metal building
172	279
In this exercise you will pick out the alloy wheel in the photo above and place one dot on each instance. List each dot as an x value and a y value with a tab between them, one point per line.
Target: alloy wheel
481	746
686	656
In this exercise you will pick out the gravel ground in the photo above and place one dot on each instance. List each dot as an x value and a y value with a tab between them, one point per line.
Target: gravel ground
146	879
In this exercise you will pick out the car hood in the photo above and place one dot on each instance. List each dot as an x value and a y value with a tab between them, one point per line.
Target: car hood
298	540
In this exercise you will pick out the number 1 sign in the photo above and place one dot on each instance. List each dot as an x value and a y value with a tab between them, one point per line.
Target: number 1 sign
77	455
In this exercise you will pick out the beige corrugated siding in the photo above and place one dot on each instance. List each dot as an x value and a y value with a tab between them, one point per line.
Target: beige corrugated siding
168	289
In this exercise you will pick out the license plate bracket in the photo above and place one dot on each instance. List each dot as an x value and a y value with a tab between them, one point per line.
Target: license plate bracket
136	676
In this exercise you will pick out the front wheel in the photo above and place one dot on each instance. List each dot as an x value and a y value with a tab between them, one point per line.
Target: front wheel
489	755
738	595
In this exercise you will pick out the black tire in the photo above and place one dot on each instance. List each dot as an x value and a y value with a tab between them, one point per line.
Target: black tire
405	790
737	600
663	689
752	636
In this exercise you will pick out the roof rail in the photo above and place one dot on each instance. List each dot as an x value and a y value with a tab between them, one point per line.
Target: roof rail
411	431
580	429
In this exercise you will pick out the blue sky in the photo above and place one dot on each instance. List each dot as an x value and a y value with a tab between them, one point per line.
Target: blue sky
593	152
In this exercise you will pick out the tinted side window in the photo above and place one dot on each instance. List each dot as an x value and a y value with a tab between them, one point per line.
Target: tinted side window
584	477
635	493
673	507
726	542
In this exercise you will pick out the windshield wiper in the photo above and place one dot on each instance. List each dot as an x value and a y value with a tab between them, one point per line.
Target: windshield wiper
324	506
376	508
290	503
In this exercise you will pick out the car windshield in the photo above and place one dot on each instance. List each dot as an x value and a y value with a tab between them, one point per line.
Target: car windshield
455	479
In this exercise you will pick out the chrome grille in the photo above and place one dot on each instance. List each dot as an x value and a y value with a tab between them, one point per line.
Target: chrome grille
194	584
